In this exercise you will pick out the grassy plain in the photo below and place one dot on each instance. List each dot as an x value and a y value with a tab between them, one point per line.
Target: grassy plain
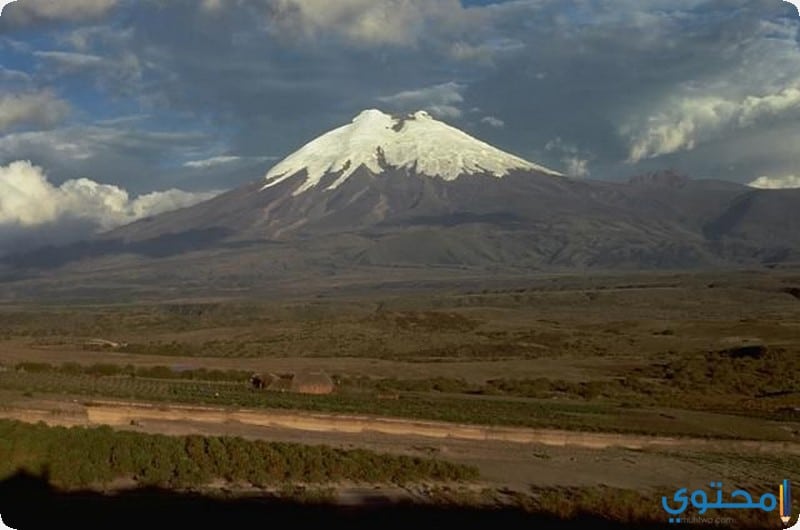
684	355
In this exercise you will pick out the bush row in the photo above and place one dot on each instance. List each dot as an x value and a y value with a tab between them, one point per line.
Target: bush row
155	372
80	457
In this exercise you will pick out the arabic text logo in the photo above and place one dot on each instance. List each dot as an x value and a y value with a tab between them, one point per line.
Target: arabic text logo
739	500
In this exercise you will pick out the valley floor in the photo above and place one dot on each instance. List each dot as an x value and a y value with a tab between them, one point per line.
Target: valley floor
550	387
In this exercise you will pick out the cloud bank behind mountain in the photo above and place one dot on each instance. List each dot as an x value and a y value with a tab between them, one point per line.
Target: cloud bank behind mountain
33	211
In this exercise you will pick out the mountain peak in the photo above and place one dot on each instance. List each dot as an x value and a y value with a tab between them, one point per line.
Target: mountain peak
369	115
376	140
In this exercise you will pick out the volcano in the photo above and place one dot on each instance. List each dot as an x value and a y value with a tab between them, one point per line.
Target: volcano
411	191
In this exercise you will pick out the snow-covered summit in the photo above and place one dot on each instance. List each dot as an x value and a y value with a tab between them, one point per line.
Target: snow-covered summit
377	140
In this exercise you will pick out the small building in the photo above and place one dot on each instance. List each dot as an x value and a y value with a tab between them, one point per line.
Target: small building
317	383
262	381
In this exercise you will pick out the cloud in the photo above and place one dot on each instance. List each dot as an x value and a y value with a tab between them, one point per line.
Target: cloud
441	100
493	122
36	108
576	167
211	162
576	163
663	82
28	201
120	72
215	161
3	4
371	22
26	11
776	183
13	76
135	156
69	61
690	121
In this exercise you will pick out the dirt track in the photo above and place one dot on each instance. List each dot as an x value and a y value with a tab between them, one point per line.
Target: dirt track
517	457
120	414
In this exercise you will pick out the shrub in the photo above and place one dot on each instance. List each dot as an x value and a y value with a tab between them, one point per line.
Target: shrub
79	457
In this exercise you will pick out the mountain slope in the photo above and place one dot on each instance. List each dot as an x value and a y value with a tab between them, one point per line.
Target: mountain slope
413	192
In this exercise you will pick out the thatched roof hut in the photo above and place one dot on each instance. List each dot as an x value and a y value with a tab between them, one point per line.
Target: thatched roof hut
312	383
261	381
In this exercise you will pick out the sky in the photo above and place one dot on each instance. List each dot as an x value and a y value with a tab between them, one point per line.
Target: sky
108	102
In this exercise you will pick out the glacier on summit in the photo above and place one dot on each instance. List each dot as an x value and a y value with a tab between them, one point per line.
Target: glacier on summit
376	140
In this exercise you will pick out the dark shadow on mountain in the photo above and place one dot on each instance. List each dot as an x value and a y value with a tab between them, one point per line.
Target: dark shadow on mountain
28	502
158	247
727	222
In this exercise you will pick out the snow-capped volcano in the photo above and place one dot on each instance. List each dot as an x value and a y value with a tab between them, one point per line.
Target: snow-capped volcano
376	141
411	192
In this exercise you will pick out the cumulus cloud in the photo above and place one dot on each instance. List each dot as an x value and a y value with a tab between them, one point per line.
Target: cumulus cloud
38	108
441	100
28	201
776	183
690	121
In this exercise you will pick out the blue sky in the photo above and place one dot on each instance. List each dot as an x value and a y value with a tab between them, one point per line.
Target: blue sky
207	94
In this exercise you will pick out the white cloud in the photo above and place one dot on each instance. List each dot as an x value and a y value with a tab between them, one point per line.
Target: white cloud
576	167
215	161
493	122
576	163
753	87
776	183
29	200
69	61
212	162
441	100
40	108
693	120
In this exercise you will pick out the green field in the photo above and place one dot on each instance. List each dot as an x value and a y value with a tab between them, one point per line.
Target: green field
78	457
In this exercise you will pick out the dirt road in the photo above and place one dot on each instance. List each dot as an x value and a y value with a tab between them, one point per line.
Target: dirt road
517	457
